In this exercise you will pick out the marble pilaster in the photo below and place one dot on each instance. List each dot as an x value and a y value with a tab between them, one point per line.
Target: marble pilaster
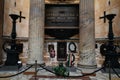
87	33
1	26
36	31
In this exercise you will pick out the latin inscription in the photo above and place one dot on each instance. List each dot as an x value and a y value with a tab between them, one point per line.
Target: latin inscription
62	15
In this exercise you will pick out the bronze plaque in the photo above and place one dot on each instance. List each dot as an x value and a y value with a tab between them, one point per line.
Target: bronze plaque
62	15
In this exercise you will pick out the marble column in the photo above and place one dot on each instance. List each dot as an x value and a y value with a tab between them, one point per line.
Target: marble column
87	33
36	31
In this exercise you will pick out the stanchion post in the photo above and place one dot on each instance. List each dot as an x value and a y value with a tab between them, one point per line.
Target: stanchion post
35	69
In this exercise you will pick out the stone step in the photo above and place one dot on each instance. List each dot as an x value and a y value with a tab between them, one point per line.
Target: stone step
58	78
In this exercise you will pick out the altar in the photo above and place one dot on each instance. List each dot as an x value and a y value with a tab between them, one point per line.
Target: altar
59	31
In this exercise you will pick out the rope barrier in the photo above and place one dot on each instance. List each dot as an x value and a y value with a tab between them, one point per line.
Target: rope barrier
51	71
73	76
16	73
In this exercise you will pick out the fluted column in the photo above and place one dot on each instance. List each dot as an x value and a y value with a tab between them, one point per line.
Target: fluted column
36	31
87	33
